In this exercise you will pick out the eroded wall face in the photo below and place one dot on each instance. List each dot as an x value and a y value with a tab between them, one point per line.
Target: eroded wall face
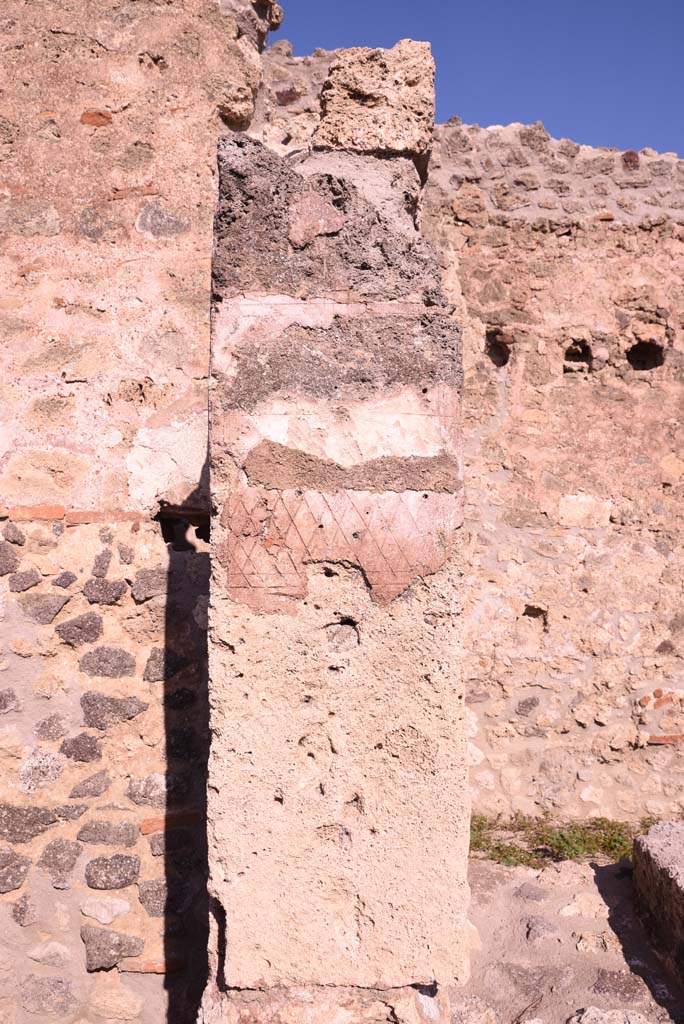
337	791
109	114
567	262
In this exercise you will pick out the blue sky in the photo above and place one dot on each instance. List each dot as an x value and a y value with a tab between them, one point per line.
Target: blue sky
601	72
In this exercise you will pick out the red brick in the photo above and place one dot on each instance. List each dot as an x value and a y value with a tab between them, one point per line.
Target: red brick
26	513
149	825
98	516
96	118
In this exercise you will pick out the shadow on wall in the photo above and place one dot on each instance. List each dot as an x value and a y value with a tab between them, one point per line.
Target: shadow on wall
183	842
614	882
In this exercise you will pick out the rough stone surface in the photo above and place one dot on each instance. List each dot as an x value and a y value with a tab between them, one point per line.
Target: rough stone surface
105	948
112	872
9	559
109	833
24	911
42	608
21	824
336	472
379	101
21	581
101	711
659	889
94	785
101	591
59	859
50	996
561	259
13	869
83	747
83	629
104	910
40	768
111	662
50	728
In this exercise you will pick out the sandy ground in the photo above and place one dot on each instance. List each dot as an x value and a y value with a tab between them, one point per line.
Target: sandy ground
557	940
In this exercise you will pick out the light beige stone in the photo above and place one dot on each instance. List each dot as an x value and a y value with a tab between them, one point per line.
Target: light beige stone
379	101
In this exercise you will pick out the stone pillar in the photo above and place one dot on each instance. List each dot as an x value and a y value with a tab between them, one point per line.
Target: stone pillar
338	808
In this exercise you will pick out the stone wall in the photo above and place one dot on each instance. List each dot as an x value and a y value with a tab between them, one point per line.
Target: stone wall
338	807
103	744
109	117
567	261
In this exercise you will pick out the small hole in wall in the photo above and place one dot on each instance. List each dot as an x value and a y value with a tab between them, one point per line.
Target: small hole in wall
645	355
577	358
497	350
533	611
180	529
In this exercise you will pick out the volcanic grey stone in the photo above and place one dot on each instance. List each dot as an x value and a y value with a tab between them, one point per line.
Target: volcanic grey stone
659	890
64	580
40	768
112	872
22	824
99	591
24	911
109	833
42	608
9	559
8	701
94	785
111	662
163	664
101	564
149	583
83	747
105	948
50	728
173	841
157	790
84	629
13	869
153	896
101	711
21	581
50	996
58	859
13	534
